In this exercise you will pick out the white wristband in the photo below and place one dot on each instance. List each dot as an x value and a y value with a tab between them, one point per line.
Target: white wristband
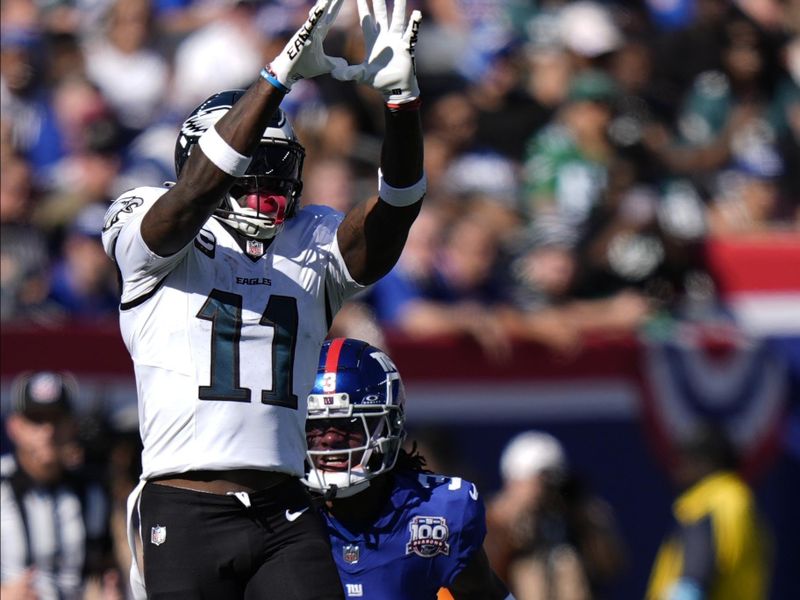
401	196
221	154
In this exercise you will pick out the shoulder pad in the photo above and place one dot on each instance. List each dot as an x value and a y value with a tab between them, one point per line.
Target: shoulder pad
318	211
453	484
314	222
135	201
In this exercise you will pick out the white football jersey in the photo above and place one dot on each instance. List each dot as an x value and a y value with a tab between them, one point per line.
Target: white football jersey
224	346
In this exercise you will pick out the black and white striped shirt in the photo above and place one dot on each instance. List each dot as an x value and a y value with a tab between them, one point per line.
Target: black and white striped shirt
50	528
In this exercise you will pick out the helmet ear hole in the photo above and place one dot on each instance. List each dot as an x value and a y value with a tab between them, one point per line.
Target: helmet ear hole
296	193
375	462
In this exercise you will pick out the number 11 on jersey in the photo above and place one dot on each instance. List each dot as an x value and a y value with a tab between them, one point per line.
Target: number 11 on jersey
224	311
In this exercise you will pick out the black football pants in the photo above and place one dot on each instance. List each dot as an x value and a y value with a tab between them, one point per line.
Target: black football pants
206	546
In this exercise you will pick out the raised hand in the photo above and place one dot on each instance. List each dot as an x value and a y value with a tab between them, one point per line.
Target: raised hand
303	57
389	66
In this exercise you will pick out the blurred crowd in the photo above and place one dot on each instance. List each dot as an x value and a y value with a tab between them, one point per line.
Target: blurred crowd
579	154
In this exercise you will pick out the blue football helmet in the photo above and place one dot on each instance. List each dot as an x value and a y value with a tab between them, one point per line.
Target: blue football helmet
258	203
356	418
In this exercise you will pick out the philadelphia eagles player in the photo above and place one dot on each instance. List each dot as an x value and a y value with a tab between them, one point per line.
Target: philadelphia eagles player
228	290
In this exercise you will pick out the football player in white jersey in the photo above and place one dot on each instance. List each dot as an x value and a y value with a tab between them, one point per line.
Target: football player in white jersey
228	291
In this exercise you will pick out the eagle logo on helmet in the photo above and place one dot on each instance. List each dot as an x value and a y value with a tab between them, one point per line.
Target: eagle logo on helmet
202	120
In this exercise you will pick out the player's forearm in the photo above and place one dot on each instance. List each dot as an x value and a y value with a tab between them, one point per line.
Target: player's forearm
402	151
372	236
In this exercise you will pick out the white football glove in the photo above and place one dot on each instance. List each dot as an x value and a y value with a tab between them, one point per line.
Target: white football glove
303	57
389	66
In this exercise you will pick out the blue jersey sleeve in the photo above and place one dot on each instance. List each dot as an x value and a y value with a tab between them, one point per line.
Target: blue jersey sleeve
473	530
463	508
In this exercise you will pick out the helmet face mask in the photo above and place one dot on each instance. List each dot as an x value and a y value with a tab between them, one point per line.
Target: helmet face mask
259	202
356	417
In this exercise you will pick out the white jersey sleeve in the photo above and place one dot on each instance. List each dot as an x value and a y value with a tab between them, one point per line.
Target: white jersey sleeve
340	284
141	269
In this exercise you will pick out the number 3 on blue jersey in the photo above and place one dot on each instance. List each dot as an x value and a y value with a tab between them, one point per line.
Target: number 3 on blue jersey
224	310
453	483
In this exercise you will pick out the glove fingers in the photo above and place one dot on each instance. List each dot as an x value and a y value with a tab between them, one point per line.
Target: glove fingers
398	16
381	16
366	19
412	29
329	17
319	8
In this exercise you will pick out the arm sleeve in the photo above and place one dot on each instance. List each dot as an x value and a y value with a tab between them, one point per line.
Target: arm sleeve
339	283
471	534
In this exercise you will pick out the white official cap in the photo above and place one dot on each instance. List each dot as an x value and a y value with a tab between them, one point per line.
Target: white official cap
530	453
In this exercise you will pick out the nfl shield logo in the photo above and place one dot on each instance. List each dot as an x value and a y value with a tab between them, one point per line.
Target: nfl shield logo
158	535
350	553
255	248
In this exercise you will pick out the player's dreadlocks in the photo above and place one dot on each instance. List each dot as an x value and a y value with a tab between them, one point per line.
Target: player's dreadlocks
411	460
407	460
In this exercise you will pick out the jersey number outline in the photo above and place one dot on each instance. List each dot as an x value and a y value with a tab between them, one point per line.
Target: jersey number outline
224	310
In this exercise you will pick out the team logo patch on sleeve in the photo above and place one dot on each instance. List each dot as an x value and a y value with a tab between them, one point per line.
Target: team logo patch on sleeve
122	206
428	537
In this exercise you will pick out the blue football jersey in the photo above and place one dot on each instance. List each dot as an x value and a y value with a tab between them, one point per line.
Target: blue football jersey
425	536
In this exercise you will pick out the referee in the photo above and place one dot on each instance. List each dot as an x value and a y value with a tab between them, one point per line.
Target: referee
51	522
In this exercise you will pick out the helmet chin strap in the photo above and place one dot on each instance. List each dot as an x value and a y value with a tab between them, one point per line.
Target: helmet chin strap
324	482
330	493
334	491
248	226
255	215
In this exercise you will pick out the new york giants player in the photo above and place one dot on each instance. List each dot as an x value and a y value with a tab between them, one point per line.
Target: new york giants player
228	290
398	531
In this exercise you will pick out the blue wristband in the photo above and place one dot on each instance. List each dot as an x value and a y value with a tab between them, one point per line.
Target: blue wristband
272	80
